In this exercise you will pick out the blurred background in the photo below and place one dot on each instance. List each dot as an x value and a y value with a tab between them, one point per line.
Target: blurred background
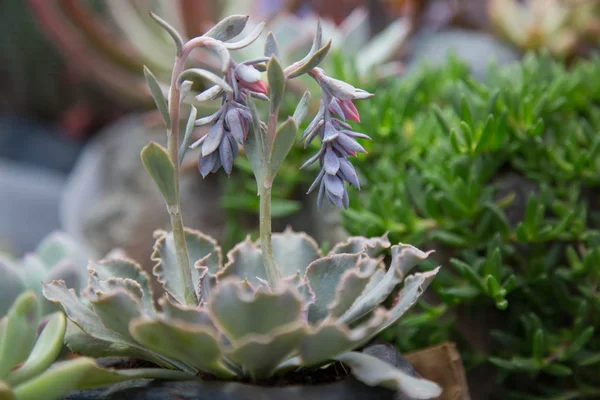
70	73
75	112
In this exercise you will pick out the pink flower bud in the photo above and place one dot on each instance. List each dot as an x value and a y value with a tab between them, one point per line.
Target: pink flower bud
348	108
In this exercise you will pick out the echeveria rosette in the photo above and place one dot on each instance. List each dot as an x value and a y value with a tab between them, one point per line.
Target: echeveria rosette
325	307
275	304
229	125
338	140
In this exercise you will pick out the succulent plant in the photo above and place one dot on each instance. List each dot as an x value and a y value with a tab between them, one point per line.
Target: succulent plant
58	256
276	304
27	359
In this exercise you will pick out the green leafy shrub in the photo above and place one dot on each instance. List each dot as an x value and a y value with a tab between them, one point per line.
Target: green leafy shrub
501	179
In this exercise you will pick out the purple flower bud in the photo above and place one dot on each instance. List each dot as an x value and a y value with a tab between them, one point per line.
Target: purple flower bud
213	138
207	163
331	162
226	155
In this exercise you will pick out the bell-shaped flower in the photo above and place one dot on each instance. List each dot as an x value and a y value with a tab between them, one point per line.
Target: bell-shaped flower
248	77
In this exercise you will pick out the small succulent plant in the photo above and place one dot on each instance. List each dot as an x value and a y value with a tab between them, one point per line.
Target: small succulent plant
28	370
276	304
58	256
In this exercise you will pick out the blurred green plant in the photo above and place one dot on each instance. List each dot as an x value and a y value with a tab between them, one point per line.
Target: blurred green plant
58	256
501	178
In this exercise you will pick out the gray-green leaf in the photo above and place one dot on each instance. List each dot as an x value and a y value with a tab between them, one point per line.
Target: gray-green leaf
187	137
170	30
314	60
162	171
19	332
302	108
276	79
271	46
228	28
375	372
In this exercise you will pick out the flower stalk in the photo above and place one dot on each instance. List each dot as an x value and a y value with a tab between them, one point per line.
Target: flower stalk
174	209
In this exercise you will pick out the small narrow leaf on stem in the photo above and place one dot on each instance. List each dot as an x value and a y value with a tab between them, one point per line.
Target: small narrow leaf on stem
204	74
271	46
302	108
312	62
284	141
158	96
188	135
170	30
276	79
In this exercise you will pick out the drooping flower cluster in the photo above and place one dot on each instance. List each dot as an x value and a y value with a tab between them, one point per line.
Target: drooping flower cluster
338	140
230	123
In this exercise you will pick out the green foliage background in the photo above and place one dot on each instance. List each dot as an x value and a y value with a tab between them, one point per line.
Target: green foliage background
501	179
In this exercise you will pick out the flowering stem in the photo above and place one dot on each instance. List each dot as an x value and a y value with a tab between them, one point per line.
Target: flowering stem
271	269
174	209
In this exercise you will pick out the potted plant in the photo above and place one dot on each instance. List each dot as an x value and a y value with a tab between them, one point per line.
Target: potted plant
277	310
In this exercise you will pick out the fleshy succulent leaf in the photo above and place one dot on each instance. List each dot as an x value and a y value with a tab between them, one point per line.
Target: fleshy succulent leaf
414	286
19	332
188	135
195	345
271	46
332	338
284	141
88	322
170	30
276	79
228	28
248	40
259	355
302	108
323	276
352	285
126	269
158	96
254	145
57	247
238	312
314	60
404	258
161	169
357	244
180	312
198	245
245	262
116	310
84	373
191	73
46	349
294	251
11	285
375	372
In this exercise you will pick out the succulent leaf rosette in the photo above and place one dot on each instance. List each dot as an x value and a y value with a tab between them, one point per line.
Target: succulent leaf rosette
276	304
